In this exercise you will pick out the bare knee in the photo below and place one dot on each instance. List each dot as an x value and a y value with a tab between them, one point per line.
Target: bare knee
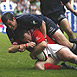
39	65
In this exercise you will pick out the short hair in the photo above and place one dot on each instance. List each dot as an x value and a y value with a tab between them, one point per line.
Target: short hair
19	33
7	16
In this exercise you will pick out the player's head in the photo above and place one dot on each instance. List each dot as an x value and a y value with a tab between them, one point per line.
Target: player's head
24	35
27	37
9	20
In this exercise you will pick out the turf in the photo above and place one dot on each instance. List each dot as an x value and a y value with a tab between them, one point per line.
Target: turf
21	65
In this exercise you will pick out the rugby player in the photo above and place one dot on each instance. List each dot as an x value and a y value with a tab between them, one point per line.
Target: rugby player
54	10
30	21
53	52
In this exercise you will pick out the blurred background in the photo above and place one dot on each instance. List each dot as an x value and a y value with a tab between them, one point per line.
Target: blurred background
18	7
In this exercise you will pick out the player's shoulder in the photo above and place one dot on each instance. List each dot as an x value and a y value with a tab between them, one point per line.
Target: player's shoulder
22	16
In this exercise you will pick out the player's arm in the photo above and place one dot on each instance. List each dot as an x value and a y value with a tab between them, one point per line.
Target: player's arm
39	48
13	48
43	29
41	43
39	23
21	47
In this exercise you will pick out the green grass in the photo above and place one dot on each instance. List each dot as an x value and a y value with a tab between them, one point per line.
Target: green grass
21	65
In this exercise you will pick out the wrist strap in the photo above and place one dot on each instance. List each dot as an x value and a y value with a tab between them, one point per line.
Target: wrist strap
25	45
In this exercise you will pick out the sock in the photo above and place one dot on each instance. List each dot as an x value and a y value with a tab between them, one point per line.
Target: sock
74	47
51	66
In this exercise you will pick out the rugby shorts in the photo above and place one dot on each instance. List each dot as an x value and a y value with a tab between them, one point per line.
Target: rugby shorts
57	16
52	50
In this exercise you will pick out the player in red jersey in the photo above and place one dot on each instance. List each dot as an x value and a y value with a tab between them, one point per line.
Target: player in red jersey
54	51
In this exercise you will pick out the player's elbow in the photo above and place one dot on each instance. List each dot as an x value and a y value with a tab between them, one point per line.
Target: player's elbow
10	50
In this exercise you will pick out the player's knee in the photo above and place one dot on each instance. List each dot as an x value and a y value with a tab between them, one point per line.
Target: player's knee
36	66
39	66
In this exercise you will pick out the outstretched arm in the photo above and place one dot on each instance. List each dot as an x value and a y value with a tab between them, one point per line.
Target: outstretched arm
43	29
13	48
21	47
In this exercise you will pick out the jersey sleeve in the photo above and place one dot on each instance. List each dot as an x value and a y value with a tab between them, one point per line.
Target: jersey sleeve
30	21
15	43
36	21
38	36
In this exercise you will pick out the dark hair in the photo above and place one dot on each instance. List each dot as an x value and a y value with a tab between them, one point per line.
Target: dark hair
19	32
7	16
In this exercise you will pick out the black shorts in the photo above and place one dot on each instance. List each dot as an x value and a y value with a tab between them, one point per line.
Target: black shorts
57	16
51	27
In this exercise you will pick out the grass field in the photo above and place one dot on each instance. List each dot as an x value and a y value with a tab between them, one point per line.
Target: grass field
21	65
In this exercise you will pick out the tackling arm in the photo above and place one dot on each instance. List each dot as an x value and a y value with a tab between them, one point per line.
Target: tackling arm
43	29
38	49
21	47
41	43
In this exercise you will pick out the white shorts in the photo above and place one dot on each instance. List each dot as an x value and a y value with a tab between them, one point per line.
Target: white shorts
51	50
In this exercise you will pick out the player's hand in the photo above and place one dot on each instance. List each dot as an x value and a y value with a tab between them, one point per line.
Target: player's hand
22	48
31	44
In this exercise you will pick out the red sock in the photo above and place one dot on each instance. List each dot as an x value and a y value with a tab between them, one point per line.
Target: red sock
51	66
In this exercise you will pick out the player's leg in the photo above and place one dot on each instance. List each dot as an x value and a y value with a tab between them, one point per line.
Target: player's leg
54	32
66	55
61	39
46	65
52	49
64	25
